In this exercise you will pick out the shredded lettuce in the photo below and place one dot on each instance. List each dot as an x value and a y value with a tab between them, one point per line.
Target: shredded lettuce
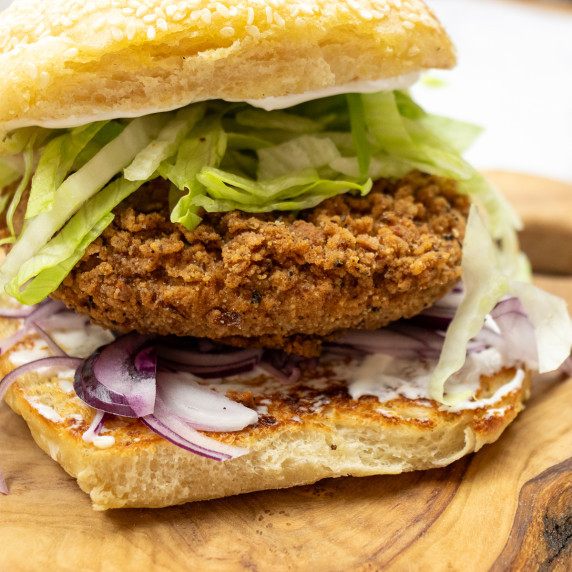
75	190
221	156
486	280
28	155
57	160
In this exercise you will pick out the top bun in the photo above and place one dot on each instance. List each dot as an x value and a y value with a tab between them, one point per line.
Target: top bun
70	62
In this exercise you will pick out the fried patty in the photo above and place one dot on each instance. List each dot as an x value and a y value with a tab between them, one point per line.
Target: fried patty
279	280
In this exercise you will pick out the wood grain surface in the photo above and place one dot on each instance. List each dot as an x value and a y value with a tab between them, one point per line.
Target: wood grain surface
508	507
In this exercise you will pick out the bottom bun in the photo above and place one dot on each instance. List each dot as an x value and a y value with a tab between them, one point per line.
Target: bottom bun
305	432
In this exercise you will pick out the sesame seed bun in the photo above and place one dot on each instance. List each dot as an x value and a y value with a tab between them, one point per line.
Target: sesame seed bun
73	61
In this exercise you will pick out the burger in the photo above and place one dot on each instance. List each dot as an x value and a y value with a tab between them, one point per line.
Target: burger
239	256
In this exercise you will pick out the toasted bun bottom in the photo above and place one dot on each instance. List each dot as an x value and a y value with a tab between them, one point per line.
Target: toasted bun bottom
304	434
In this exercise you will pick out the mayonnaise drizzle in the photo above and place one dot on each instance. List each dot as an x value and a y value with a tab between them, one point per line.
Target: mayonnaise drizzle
267	103
387	378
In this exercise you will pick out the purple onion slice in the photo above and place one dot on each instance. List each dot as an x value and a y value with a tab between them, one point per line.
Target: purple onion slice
199	406
93	430
172	428
54	347
3	486
516	330
210	372
384	341
55	361
16	313
128	367
89	389
210	365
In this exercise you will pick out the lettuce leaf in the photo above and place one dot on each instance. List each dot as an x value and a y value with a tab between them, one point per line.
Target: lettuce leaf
75	190
486	280
57	160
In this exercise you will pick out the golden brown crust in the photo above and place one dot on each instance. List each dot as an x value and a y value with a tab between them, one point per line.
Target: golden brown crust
266	281
83	60
305	432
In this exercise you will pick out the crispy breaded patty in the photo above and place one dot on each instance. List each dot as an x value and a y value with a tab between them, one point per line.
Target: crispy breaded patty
274	280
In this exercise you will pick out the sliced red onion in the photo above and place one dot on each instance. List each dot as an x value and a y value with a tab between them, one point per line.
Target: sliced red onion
16	313
93	430
37	313
566	367
292	377
384	341
43	311
171	427
211	365
55	361
201	407
56	349
89	389
3	486
116	367
64	321
516	330
208	372
11	341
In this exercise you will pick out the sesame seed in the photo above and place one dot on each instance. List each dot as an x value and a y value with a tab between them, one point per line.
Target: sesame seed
250	17
178	16
71	53
141	11
253	31
171	9
128	11
114	21
308	10
32	70
44	79
222	10
149	18
233	11
227	31
269	14
130	30
151	33
206	16
278	20
66	22
98	24
409	25
117	34
162	24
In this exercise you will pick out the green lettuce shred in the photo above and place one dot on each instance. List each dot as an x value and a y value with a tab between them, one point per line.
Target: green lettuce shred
221	156
486	280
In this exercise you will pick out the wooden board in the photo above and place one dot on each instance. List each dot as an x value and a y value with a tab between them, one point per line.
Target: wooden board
506	507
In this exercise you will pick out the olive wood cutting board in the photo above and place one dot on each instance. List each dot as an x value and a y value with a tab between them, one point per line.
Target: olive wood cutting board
508	507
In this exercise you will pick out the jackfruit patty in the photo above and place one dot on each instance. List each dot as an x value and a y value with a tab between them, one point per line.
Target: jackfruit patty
279	280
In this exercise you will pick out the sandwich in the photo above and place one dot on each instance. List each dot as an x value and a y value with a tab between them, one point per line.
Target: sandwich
239	256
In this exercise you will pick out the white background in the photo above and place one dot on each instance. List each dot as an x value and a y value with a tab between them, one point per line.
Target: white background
514	78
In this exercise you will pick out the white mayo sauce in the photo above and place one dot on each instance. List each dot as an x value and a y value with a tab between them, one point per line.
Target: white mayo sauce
267	103
387	378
